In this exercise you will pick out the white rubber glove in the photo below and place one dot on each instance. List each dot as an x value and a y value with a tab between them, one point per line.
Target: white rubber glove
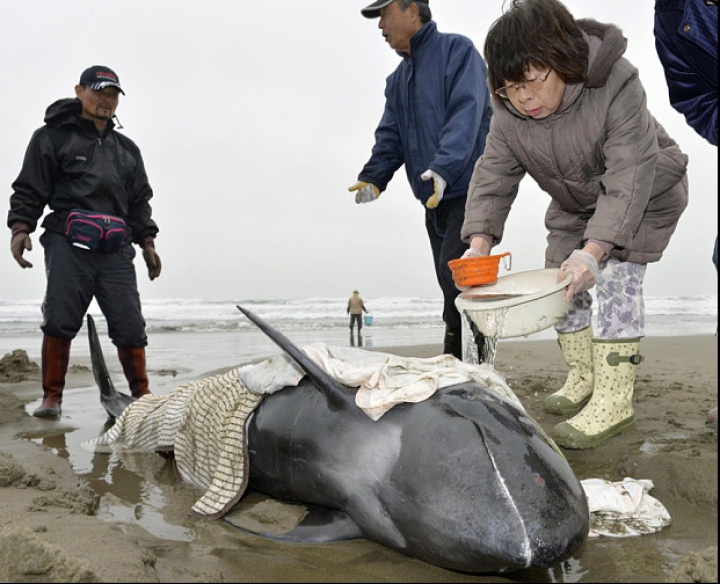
584	269
479	247
472	252
365	192
439	185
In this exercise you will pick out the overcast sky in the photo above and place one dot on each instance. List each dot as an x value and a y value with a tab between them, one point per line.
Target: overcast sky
253	119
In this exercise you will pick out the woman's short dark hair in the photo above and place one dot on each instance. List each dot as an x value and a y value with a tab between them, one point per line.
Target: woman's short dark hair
539	33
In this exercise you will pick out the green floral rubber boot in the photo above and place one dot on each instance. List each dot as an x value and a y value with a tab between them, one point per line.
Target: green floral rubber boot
577	350
609	411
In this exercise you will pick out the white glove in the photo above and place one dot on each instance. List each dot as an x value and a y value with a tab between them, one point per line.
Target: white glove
479	247
473	252
584	269
439	185
365	192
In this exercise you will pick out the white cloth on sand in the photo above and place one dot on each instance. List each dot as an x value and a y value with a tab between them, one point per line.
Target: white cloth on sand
623	508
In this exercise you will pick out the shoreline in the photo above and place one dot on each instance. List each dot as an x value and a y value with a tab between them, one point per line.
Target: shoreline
223	347
139	530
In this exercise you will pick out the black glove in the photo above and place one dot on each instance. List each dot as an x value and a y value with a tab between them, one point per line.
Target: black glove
18	244
151	257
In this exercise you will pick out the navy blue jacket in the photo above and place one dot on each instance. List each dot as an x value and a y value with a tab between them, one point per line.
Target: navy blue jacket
69	165
437	115
686	38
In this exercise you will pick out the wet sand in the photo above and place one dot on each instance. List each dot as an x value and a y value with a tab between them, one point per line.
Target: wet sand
70	515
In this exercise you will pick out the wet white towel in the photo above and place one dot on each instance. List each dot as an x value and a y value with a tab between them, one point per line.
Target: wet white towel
623	508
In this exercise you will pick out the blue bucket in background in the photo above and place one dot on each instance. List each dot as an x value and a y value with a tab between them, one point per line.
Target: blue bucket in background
368	319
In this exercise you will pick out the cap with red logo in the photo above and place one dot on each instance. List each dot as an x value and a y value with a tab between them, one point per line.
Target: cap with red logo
98	77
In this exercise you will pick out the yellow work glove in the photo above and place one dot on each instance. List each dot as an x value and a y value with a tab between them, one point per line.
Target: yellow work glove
364	192
439	185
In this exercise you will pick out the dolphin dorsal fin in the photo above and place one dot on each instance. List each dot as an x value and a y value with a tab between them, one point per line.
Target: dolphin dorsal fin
333	391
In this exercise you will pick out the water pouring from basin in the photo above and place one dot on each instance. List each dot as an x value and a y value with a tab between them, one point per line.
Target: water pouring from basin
517	305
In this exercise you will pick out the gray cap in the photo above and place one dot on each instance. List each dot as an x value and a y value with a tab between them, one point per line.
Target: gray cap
373	10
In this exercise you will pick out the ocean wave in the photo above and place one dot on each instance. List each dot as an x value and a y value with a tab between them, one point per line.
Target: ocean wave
182	314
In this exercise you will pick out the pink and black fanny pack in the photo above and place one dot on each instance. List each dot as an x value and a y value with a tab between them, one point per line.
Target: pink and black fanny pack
95	231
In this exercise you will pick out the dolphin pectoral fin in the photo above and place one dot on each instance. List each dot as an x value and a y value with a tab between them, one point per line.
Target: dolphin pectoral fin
113	401
266	517
322	525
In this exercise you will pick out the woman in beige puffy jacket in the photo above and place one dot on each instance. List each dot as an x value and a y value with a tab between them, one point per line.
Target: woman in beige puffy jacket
570	111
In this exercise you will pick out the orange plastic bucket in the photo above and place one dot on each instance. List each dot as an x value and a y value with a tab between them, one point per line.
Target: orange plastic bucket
477	271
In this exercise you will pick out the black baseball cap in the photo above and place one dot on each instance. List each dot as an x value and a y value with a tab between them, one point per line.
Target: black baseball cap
98	77
373	10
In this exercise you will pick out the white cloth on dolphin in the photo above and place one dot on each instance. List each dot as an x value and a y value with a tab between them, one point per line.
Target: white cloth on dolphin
623	508
383	380
204	422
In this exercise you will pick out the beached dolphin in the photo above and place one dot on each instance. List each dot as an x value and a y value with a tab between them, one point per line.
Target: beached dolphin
463	480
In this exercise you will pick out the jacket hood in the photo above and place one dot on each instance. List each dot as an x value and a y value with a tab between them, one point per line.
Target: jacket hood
62	111
67	111
603	55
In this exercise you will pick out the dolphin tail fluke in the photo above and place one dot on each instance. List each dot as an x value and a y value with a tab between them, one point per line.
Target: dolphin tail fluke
333	391
113	401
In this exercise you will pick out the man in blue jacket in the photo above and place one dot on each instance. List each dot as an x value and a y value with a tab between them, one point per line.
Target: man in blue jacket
686	39
436	118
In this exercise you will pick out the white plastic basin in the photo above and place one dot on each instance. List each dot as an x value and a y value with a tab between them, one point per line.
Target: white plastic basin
527	302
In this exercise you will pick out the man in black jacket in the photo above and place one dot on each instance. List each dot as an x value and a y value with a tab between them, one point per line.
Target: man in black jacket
77	164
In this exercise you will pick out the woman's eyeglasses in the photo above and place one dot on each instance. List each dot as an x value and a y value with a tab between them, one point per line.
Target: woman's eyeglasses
533	85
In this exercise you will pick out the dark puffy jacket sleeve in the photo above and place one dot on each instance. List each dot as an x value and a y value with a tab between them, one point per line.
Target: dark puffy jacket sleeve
139	210
33	187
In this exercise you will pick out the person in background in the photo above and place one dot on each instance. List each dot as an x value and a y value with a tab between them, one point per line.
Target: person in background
355	308
571	111
437	115
686	40
78	163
